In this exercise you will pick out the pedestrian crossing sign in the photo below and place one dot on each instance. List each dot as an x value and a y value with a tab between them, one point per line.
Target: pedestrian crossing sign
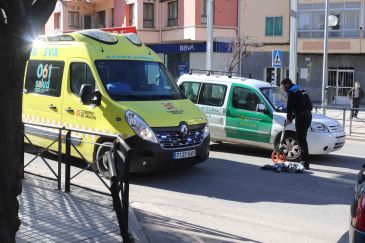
277	58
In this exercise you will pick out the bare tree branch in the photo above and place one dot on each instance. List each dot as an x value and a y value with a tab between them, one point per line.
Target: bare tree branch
240	48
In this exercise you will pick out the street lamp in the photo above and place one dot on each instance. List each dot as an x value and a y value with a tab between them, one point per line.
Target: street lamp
329	21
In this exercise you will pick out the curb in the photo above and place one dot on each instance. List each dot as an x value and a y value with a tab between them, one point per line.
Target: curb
135	229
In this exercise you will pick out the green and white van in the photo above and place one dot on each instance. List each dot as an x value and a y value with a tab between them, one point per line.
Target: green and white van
252	112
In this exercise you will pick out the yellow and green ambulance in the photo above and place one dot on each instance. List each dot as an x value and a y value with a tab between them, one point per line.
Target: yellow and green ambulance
112	84
252	112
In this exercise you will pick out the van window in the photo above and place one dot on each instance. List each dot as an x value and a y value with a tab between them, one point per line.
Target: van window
132	80
81	74
191	90
245	99
212	94
44	77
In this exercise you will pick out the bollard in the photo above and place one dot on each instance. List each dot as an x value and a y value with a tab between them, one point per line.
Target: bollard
22	158
344	118
59	176
350	125
68	162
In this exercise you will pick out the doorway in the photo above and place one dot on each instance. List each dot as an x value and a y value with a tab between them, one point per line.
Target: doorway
342	80
87	22
178	64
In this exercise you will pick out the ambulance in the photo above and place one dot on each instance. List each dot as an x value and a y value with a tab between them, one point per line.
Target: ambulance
113	84
252	112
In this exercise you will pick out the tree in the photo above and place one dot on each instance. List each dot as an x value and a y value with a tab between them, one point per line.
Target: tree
20	22
240	48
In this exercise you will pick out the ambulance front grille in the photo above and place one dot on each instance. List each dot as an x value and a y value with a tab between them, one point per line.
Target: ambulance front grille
172	140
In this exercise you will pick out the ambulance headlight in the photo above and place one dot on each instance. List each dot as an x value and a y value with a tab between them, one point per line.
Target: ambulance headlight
140	127
318	127
206	132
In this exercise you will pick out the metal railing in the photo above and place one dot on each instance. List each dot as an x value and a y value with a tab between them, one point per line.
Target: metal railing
118	159
345	116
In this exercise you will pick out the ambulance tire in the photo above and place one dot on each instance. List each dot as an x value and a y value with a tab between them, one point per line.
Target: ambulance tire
290	141
102	163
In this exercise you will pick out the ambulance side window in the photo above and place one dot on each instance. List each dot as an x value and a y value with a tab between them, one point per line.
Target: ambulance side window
212	94
44	77
191	90
80	74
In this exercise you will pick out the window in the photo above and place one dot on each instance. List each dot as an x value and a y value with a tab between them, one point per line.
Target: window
172	13
129	80
73	19
245	99
101	19
274	26
212	94
57	20
311	18
80	74
44	77
112	17
131	15
148	15
191	90
205	10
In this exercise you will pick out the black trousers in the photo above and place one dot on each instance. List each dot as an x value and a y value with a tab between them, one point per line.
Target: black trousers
302	123
355	104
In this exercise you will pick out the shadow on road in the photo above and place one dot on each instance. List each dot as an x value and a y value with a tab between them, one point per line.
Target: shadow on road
244	182
166	229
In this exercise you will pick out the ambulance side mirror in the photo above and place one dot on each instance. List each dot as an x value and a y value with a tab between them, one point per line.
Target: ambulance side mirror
89	96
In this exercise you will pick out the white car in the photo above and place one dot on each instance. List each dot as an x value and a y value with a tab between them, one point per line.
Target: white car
248	111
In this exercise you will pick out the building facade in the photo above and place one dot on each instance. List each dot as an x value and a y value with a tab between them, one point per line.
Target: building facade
346	44
83	14
175	29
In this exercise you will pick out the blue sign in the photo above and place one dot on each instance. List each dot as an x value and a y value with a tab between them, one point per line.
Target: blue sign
189	47
277	59
178	48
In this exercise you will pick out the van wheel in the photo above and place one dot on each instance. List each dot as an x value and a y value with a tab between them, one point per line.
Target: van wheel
291	147
102	161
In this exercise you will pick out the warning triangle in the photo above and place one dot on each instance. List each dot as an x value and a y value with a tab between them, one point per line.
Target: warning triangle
277	59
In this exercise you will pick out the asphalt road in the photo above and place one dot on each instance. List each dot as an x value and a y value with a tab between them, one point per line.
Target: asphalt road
230	199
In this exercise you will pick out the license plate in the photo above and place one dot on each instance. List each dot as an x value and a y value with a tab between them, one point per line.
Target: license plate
184	154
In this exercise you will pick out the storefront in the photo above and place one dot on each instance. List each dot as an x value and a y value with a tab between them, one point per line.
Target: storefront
179	58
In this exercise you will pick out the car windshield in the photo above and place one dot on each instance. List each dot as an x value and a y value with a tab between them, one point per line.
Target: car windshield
277	97
127	80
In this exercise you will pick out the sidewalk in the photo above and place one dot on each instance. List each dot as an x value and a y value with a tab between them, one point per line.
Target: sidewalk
49	215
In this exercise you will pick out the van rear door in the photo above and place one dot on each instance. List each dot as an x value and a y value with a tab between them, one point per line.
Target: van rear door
42	103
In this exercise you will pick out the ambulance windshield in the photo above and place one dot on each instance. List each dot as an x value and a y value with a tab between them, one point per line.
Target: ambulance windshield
130	80
277	97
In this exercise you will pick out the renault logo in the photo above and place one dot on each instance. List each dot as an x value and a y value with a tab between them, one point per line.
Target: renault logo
183	130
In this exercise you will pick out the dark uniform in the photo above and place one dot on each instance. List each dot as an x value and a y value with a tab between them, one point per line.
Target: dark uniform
300	106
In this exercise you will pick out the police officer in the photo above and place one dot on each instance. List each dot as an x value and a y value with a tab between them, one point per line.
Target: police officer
299	107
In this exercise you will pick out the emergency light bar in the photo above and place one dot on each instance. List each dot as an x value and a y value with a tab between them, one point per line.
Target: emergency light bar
115	30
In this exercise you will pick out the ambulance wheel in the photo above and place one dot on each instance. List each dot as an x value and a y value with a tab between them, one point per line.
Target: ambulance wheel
291	147
102	161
